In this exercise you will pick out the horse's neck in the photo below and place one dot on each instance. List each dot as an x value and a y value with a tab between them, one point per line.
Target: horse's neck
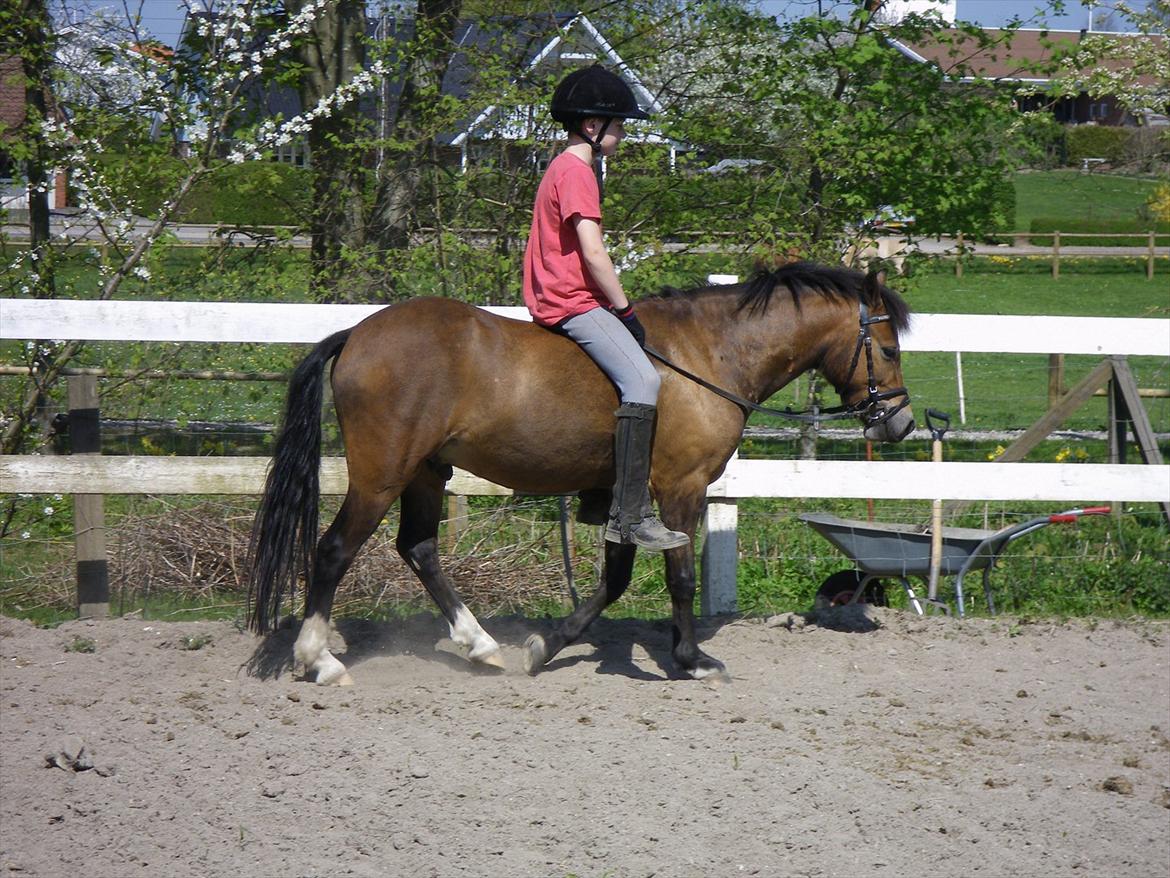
780	344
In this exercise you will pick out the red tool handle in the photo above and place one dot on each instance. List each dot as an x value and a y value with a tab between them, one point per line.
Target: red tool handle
1074	514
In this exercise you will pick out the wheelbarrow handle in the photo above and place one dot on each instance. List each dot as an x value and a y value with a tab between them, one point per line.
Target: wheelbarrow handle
1074	514
937	432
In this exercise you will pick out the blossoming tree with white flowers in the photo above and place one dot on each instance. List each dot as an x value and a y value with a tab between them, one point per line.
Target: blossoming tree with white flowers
70	119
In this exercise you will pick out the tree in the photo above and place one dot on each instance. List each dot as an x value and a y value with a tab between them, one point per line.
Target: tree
330	54
1134	67
842	124
27	37
69	123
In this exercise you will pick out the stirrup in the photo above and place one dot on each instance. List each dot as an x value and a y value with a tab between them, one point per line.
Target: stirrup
649	533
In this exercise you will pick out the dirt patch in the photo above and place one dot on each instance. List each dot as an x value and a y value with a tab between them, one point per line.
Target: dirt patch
904	746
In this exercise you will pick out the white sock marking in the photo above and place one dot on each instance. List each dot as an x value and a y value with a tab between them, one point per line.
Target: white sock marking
467	632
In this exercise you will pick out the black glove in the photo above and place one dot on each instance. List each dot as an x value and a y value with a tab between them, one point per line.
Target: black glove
631	322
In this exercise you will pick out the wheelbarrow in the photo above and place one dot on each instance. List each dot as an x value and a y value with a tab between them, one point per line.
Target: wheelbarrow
904	550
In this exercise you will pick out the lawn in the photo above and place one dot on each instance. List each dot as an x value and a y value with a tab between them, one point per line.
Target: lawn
1069	193
1003	285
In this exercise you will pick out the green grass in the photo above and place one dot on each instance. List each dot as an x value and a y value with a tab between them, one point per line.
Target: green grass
1072	194
1011	285
1009	391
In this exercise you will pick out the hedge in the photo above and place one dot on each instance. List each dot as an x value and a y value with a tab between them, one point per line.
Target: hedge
1098	141
252	193
248	194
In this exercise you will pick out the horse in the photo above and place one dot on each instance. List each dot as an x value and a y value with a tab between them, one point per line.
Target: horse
429	384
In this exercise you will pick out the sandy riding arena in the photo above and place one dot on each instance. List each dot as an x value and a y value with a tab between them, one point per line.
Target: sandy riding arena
926	747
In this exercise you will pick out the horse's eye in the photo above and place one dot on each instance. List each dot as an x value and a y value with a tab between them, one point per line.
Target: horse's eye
890	352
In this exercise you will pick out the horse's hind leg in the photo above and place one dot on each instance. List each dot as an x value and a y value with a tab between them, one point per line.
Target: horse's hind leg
359	516
539	649
418	544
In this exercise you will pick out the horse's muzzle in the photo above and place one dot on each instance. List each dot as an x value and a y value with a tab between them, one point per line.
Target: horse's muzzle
895	428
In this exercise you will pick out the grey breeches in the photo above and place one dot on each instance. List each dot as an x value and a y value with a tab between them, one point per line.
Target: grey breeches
603	337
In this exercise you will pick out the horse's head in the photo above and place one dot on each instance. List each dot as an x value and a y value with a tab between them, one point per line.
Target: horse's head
866	366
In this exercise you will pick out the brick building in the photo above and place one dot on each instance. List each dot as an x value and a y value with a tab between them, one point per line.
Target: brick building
13	182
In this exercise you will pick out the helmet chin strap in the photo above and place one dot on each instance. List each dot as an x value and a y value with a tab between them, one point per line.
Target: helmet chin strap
595	145
595	142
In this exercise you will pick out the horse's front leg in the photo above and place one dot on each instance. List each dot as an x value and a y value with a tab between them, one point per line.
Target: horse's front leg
683	514
619	567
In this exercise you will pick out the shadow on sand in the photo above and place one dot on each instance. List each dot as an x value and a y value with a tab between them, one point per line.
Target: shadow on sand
424	636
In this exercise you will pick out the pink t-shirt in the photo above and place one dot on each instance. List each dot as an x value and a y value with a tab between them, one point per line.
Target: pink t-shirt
557	283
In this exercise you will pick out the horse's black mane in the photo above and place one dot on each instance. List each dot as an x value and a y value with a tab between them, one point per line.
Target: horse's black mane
807	278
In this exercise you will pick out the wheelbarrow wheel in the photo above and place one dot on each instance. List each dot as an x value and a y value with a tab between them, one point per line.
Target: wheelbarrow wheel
838	590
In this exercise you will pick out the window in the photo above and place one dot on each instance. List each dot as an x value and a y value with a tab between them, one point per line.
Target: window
295	153
9	168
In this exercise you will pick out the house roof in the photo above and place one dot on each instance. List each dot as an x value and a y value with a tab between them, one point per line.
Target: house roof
1014	56
528	44
554	39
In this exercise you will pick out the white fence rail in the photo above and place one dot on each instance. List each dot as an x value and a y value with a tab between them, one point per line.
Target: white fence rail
885	480
273	323
278	323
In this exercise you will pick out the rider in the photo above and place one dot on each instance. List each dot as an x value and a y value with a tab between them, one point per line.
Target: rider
570	286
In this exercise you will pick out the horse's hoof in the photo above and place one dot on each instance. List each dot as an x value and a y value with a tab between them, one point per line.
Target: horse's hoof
535	655
710	671
492	660
331	672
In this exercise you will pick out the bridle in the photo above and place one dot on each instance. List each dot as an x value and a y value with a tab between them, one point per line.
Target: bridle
868	407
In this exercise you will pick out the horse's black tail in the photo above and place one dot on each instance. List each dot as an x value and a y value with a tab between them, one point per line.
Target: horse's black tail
284	534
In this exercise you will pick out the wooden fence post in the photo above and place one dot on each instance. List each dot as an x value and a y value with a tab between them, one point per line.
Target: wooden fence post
959	258
89	520
1056	255
1150	258
1055	378
457	514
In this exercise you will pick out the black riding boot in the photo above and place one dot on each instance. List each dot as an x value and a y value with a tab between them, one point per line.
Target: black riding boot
631	515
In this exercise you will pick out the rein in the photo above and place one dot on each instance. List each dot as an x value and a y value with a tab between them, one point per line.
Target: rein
868	406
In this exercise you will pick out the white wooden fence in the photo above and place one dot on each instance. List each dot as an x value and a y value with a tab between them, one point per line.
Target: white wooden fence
241	322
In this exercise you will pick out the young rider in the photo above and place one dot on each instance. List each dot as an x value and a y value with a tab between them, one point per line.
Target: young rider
570	285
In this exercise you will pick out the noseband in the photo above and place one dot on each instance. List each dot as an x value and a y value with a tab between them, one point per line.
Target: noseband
869	407
874	413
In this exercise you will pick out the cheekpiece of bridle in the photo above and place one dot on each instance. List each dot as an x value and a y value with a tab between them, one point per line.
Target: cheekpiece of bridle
869	407
874	413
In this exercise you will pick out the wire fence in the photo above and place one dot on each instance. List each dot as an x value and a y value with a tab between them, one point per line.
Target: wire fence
172	557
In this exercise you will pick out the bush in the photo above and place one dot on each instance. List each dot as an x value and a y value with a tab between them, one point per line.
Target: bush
1148	150
1003	212
1106	226
141	181
1098	141
1042	142
252	194
249	194
1158	204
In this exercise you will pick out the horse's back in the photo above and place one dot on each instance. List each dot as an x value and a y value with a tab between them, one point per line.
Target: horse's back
506	399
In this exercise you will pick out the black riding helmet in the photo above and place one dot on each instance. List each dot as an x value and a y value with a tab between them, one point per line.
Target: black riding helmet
594	91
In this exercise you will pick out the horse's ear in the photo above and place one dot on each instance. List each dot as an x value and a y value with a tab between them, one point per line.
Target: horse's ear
875	279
